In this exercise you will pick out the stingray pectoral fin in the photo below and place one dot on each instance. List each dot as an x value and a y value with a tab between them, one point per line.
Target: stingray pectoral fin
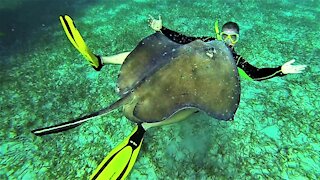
119	162
76	122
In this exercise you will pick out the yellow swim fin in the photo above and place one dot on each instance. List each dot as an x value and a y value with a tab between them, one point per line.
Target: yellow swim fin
119	162
75	38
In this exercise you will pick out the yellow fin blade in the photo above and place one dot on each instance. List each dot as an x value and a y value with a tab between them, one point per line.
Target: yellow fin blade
119	162
77	41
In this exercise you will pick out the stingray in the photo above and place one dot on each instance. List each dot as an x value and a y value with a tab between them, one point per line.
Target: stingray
160	78
162	82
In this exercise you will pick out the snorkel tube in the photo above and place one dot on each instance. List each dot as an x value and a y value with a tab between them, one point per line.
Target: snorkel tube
216	29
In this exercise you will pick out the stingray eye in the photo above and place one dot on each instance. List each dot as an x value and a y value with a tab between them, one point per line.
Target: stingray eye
210	51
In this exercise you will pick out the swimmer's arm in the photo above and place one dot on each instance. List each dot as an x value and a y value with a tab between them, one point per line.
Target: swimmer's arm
156	24
181	38
258	74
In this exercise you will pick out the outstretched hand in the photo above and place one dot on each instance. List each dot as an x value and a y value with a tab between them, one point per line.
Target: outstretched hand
288	68
155	24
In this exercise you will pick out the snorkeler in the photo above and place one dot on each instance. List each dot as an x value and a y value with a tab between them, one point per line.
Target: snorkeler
230	34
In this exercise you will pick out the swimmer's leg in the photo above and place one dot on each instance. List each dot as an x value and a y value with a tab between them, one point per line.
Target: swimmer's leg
115	59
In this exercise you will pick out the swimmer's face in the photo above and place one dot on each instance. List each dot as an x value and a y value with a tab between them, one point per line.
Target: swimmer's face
230	36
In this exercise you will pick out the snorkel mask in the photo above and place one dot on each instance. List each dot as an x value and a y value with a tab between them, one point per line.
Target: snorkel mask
229	38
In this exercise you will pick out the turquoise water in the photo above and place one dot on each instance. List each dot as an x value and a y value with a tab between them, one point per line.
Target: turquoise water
44	81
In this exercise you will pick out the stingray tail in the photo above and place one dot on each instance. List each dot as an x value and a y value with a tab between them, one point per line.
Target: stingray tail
77	122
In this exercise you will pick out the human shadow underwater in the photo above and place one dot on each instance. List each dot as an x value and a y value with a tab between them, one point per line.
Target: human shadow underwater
165	79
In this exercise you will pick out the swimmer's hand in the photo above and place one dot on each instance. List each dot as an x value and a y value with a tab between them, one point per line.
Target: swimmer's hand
155	24
287	68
